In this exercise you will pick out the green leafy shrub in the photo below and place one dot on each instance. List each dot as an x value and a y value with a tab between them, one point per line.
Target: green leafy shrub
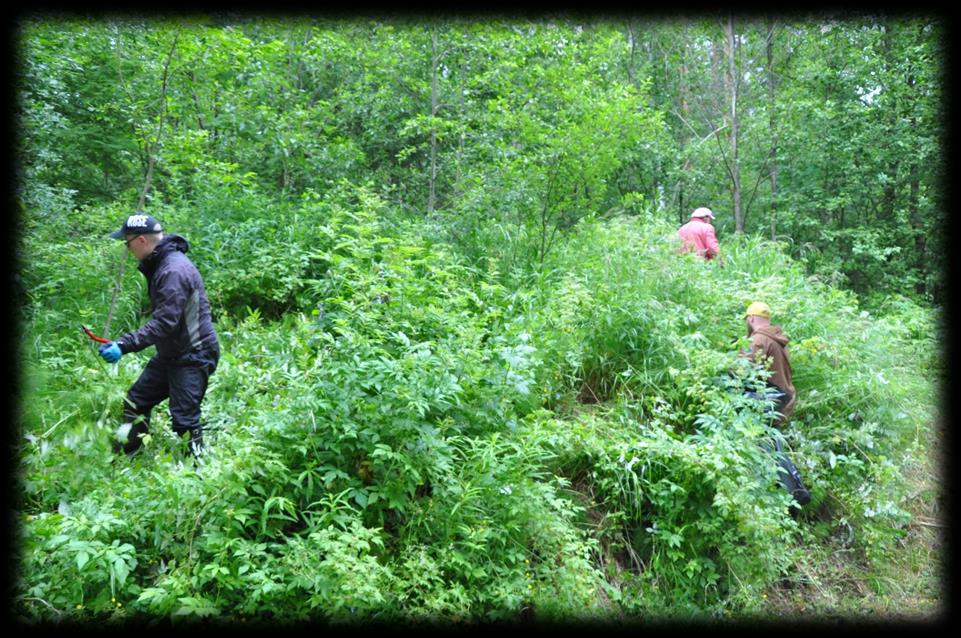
407	437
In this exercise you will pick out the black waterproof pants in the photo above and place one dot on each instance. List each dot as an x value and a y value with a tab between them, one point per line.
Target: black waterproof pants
184	381
787	472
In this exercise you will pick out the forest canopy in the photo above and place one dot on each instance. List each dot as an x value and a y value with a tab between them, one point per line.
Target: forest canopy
821	133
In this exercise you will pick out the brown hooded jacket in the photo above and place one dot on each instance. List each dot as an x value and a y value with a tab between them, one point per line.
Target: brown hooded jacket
769	346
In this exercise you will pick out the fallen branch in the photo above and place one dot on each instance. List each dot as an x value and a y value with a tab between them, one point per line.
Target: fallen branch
41	600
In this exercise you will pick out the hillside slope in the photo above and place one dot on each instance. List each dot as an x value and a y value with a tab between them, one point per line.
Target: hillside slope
398	434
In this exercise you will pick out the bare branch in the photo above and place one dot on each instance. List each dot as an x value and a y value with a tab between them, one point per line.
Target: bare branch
764	172
727	164
691	127
163	113
41	600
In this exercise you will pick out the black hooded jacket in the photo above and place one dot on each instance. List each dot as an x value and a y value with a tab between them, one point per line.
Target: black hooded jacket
180	321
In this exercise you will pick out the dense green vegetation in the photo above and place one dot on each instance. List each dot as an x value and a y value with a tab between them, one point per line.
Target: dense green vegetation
466	374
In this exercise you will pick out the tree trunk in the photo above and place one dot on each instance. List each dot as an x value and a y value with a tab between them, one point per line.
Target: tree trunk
684	92
772	124
889	195
193	94
434	60
546	213
914	207
632	41
917	227
731	82
462	139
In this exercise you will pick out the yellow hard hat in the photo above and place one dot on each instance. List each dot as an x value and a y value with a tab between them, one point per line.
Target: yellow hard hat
758	308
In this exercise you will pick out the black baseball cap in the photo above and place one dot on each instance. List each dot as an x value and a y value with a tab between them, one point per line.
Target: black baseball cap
137	224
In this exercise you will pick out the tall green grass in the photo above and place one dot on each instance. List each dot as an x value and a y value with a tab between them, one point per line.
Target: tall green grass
402	432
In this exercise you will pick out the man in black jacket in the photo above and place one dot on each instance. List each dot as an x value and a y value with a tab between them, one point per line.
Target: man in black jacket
181	329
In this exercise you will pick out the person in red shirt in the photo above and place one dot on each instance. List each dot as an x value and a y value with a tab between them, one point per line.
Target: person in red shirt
698	235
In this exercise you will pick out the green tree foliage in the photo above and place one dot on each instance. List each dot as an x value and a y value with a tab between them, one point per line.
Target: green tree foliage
466	374
852	97
875	212
526	124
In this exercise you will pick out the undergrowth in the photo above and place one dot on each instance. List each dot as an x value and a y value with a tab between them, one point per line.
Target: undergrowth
398	433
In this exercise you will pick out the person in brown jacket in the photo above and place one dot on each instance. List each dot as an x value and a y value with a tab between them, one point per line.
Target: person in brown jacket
769	348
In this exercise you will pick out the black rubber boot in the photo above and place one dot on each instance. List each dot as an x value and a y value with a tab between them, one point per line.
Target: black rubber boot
129	437
195	443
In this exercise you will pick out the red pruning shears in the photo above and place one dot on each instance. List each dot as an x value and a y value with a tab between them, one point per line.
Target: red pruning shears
93	336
